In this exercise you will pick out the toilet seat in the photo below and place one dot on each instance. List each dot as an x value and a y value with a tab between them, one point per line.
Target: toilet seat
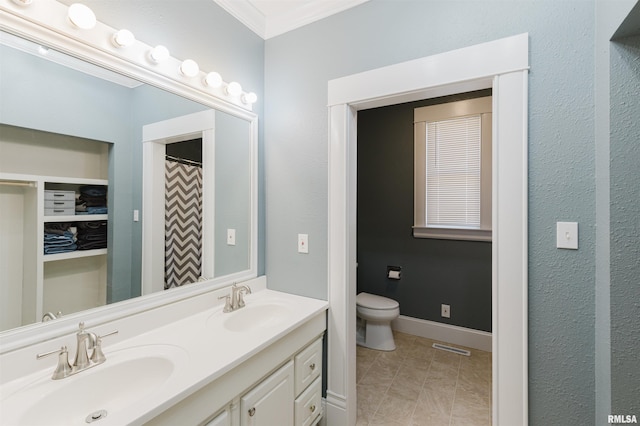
371	301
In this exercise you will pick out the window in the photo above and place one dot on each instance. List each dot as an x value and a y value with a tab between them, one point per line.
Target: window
452	175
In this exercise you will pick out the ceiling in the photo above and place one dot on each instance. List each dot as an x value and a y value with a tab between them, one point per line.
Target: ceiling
269	18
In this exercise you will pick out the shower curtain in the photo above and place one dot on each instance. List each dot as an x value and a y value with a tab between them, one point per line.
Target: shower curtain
183	223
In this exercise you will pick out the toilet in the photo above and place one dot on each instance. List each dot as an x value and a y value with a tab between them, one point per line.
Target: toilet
375	314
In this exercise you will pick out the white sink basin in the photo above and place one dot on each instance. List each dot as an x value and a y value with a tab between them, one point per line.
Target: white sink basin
255	315
127	376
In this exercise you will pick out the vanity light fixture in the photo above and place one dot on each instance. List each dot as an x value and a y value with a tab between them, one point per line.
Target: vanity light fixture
159	54
189	68
81	16
234	89
213	79
123	38
249	98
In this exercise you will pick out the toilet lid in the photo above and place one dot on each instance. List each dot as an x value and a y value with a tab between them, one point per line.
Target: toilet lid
372	301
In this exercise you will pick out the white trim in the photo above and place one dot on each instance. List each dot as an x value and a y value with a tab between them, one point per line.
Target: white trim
502	65
269	23
447	333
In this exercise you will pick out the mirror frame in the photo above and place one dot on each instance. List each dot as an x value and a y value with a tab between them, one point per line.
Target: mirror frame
37	23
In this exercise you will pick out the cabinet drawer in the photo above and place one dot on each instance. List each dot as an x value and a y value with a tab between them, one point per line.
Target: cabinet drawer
308	364
59	204
60	212
50	194
308	405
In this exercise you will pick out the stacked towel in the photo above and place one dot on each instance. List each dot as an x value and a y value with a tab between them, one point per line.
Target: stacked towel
59	238
92	200
92	235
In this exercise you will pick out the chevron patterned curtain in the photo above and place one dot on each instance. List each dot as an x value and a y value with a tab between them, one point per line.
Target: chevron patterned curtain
183	223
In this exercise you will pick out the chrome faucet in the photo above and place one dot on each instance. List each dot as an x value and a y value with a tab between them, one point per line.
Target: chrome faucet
51	316
235	300
86	342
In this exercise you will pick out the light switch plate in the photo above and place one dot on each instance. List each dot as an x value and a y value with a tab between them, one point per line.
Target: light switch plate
567	235
231	237
303	243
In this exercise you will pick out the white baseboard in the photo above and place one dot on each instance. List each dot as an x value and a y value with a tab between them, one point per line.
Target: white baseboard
453	334
336	410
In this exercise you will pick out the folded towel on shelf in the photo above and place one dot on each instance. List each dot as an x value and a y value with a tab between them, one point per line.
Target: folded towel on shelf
92	235
97	210
60	249
94	191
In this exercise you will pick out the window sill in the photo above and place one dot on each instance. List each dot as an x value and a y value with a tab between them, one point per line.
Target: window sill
452	234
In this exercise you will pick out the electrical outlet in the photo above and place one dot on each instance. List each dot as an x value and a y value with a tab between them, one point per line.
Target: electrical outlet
445	311
231	237
303	243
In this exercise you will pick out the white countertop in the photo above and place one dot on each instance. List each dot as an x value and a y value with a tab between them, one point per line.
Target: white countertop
203	350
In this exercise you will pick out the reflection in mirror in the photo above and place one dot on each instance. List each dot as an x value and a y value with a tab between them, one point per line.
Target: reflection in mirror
69	129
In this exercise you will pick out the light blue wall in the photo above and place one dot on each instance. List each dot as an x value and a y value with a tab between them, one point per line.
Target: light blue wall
561	151
233	187
609	15
625	226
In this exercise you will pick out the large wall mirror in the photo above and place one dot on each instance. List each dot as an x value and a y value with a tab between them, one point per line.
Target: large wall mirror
68	126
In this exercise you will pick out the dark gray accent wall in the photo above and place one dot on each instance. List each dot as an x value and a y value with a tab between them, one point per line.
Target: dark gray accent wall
456	273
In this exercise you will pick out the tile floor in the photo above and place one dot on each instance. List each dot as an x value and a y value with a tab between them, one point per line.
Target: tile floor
417	385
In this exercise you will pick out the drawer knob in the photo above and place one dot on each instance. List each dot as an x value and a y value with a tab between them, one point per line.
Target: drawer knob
313	408
252	411
312	366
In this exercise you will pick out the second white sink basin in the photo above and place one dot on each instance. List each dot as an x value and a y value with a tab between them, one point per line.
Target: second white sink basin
127	376
255	316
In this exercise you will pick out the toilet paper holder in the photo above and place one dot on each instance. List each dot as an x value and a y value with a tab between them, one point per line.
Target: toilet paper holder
394	272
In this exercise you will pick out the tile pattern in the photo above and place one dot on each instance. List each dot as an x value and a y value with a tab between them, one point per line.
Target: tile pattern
417	385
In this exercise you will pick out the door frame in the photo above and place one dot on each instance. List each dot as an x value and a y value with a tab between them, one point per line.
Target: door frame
503	66
156	137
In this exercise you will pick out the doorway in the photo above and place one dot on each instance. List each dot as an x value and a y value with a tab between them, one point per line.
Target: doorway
501	65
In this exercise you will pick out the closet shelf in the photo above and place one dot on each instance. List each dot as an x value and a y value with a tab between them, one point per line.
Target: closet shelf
76	218
74	254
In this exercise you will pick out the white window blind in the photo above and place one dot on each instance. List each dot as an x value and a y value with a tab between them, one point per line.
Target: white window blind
452	170
453	167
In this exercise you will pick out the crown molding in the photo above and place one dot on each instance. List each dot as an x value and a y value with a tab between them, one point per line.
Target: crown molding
268	26
245	12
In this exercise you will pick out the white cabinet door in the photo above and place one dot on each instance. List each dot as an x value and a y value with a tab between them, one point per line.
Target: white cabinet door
271	402
222	419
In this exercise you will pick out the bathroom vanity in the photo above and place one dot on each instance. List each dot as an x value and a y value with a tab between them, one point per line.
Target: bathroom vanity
184	363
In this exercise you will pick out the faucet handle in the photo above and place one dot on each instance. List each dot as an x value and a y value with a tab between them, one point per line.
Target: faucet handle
97	357
242	291
227	303
63	369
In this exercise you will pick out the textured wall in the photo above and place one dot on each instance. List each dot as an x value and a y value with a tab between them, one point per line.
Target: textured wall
561	165
457	273
625	226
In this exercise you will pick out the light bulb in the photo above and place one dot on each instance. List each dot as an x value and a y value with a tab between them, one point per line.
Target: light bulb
81	16
234	89
123	38
213	79
249	98
159	54
189	68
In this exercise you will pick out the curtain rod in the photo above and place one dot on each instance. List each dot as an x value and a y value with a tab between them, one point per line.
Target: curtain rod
16	183
170	157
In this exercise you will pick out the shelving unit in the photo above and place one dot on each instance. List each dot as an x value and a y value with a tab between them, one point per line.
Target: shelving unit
67	282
